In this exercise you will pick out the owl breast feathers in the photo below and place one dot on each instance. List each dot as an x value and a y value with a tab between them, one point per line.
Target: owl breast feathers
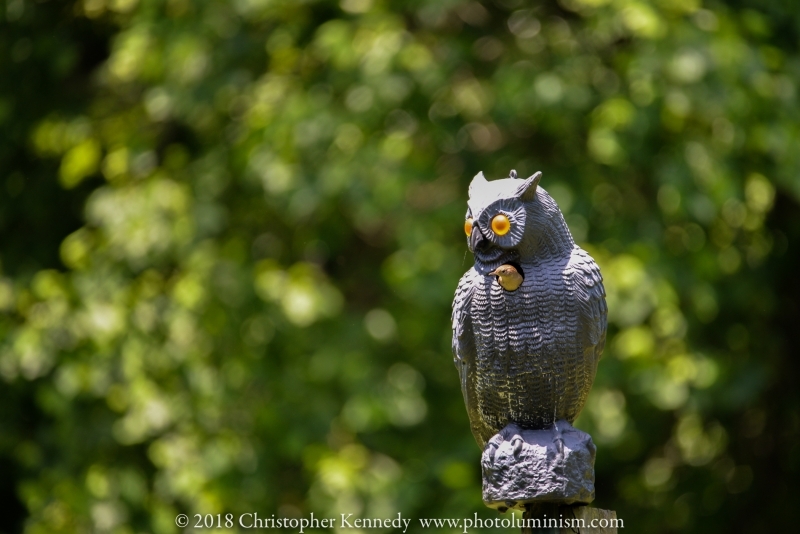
527	356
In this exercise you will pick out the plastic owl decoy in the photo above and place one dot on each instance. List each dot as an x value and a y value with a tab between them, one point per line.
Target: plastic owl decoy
526	355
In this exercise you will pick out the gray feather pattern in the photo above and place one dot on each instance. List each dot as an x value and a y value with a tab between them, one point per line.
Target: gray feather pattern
527	356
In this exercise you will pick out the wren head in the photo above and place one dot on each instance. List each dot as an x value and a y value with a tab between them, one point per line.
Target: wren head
508	277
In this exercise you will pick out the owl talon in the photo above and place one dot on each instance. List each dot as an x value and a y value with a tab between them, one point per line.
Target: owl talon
492	450
517	444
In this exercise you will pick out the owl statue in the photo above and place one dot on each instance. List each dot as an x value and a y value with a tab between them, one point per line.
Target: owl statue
528	355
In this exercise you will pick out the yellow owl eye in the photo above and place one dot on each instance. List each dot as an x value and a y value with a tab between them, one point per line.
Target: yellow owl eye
500	224
468	226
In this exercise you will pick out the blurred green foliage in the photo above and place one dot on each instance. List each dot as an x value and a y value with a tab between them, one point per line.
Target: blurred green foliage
230	232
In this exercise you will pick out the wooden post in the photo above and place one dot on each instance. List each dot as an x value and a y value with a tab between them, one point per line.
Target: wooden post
552	514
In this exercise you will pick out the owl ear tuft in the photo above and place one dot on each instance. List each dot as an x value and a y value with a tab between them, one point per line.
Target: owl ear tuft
478	183
527	191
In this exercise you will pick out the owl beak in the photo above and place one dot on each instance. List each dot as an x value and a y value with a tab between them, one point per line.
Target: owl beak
475	238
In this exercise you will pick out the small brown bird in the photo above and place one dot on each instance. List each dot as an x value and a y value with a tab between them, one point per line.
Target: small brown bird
508	277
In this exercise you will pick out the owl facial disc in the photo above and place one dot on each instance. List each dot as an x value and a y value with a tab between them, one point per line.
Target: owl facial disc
496	220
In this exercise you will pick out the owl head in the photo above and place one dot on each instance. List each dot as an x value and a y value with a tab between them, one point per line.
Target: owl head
511	221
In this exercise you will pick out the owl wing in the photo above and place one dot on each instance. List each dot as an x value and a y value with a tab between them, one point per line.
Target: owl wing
587	284
465	355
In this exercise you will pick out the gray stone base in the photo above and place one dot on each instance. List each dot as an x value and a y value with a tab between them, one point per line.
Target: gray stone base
528	466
